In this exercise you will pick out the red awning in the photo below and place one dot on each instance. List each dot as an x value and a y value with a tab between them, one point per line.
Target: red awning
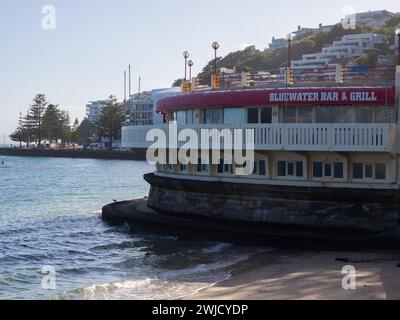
284	96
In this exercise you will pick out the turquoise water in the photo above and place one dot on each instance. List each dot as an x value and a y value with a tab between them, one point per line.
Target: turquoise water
50	215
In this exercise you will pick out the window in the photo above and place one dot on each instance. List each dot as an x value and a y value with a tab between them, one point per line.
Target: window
289	114
224	168
213	116
328	170
201	168
181	117
338	169
189	116
364	114
290	169
266	115
252	115
263	168
299	169
358	171
317	169
380	171
234	115
305	115
281	169
369	171
334	114
384	114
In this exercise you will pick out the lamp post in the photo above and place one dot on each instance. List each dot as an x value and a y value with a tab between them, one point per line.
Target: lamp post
398	45
186	56
289	39
215	46
190	64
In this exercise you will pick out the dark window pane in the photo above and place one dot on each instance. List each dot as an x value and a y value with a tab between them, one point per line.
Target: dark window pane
266	115
290	169
221	167
339	170
358	171
252	116
263	171
380	171
255	170
281	168
369	171
299	169
328	170
317	169
289	114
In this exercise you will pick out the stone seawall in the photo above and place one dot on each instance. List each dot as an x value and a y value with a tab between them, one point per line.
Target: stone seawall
353	209
137	154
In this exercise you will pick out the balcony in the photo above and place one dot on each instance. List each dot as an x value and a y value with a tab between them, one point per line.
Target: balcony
285	137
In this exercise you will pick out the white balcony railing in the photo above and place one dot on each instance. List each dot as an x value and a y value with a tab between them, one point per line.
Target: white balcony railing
287	137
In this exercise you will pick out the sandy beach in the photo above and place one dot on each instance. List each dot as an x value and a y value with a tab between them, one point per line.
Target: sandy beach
302	275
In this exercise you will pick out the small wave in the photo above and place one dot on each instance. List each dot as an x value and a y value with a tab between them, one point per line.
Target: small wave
218	248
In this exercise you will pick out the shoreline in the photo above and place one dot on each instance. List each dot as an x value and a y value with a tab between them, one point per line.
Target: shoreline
136	155
308	275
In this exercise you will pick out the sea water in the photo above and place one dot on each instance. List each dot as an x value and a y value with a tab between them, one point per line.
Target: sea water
50	219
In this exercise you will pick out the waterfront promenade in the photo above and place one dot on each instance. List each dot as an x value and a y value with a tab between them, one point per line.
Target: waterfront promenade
137	154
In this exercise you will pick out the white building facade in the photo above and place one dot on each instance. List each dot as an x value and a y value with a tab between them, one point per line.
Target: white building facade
351	46
94	109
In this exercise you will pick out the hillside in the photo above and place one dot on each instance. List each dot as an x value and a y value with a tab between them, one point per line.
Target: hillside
253	60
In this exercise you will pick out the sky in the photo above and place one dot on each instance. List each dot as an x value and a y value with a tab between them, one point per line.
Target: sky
93	42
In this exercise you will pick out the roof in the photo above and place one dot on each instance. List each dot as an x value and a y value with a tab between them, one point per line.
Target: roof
280	96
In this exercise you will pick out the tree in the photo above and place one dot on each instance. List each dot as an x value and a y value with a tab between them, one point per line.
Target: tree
51	123
86	131
23	132
35	116
112	116
75	132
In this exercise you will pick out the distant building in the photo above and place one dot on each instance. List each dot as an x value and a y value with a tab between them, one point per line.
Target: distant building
302	31
140	108
276	43
351	46
373	19
94	109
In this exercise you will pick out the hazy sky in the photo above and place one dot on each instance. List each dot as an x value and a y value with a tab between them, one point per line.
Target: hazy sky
84	57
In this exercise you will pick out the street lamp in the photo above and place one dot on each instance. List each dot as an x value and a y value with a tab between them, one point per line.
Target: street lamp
398	45
215	46
289	39
190	64
186	56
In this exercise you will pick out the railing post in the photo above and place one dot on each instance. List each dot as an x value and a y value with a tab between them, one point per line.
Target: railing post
339	73
244	79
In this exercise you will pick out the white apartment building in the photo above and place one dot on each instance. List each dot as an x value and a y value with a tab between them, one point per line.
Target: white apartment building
351	46
94	109
276	43
373	19
140	110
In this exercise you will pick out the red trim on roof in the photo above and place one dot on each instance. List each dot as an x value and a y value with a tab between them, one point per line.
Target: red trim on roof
283	96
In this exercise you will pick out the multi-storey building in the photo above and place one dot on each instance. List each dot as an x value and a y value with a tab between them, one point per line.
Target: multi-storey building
94	109
350	46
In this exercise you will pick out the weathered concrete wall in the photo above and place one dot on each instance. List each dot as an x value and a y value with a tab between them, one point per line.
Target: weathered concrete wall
375	210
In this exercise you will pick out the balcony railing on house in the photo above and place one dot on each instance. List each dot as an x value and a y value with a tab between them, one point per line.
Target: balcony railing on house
275	137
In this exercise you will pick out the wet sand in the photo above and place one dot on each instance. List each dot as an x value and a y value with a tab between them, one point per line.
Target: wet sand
280	275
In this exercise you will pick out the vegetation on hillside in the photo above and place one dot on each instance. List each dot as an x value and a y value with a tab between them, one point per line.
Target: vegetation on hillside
253	60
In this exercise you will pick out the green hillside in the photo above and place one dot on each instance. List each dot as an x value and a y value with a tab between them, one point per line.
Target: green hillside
253	60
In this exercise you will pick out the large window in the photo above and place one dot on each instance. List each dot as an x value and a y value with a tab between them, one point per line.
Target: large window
334	114
290	169
328	170
213	116
259	115
375	171
260	168
234	115
301	114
